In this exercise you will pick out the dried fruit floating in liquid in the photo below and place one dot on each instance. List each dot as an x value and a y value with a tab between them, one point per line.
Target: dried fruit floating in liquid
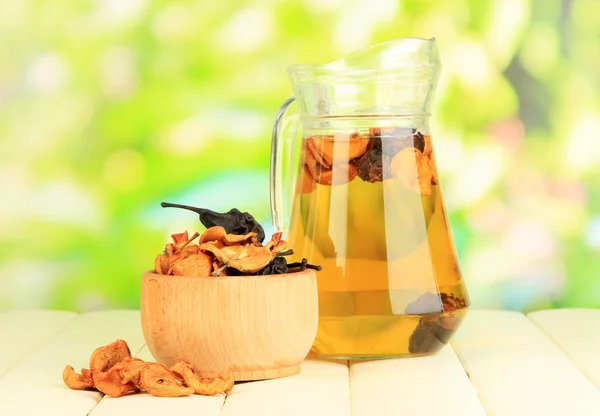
234	221
434	329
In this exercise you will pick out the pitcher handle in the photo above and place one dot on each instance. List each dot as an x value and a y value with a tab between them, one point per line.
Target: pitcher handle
283	145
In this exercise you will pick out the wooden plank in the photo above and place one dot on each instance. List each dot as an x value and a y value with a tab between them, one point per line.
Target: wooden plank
35	386
577	333
518	371
433	385
148	405
22	331
321	389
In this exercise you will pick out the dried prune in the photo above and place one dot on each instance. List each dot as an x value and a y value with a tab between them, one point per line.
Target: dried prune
234	221
370	167
419	141
434	329
277	266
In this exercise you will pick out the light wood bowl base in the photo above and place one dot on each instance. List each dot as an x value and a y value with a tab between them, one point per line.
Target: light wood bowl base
266	374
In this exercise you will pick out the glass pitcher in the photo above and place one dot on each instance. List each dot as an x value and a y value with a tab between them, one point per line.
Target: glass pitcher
363	200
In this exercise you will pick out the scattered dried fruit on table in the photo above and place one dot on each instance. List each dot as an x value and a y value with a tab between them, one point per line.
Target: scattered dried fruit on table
130	370
116	374
208	386
77	381
103	358
111	382
158	380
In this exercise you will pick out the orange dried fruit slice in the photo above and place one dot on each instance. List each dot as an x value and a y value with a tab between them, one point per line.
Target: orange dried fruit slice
276	244
158	380
427	148
161	264
77	381
338	175
316	153
110	382
206	386
130	370
414	169
105	357
307	183
338	149
199	264
218	233
247	259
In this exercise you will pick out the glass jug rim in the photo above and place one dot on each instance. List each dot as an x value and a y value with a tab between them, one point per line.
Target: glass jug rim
336	66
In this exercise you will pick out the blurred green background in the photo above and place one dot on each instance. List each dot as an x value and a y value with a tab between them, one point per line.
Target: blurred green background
109	107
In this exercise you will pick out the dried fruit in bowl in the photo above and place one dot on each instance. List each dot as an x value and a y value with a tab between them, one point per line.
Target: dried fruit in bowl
222	252
218	233
234	221
246	259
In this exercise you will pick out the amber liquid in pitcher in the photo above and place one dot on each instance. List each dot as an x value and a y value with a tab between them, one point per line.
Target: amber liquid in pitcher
369	211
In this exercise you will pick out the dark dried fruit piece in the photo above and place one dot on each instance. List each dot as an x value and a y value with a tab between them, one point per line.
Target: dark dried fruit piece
435	329
277	266
234	221
370	167
419	141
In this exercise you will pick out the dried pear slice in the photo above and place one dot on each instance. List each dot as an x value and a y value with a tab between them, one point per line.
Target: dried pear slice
206	386
77	381
158	380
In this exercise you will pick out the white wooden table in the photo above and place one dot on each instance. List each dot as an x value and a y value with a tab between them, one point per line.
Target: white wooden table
499	363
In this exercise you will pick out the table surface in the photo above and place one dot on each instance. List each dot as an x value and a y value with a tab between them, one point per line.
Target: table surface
499	363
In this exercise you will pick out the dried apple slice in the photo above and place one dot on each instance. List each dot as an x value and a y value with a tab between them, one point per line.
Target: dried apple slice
105	357
338	149
414	170
206	386
130	370
276	245
110	382
199	264
218	233
307	183
246	259
311	145
77	381
158	380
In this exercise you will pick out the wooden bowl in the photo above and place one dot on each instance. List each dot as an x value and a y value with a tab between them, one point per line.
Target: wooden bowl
256	327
